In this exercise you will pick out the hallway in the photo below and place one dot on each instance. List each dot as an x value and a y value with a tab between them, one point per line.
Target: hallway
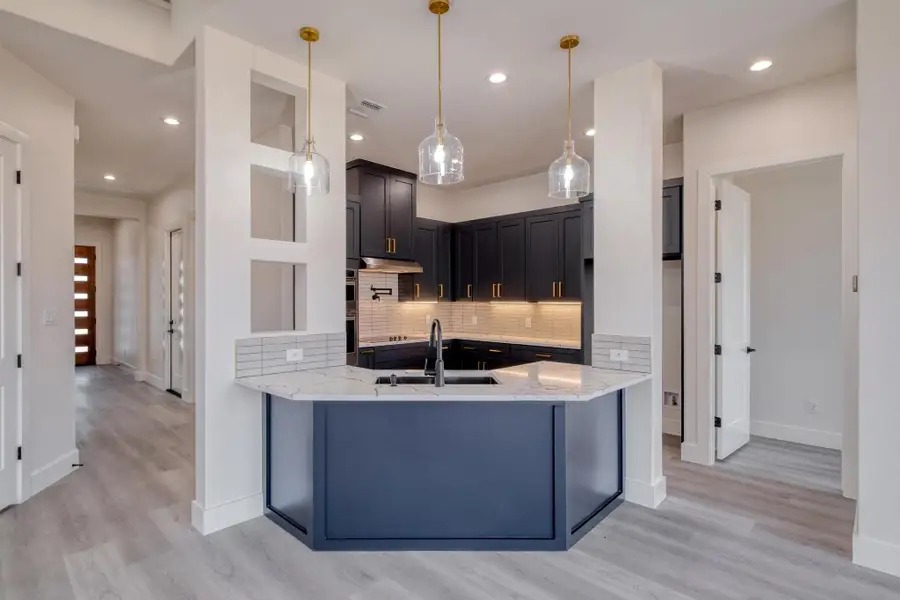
120	528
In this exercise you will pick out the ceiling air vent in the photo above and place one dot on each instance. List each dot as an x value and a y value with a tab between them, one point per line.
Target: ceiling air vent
371	105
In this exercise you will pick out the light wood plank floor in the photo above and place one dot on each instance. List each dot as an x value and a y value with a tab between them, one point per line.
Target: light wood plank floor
768	524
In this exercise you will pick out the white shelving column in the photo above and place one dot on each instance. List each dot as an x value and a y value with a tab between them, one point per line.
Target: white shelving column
229	444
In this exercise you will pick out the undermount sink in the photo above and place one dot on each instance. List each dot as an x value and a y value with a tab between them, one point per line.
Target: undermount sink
429	380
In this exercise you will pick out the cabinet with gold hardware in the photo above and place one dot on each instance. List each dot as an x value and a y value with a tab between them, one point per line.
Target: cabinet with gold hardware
387	209
464	256
433	252
553	256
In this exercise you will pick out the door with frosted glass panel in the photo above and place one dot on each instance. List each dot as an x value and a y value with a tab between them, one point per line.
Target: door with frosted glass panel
85	306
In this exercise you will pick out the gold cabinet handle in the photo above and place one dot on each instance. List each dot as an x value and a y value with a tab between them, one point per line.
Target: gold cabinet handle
560	289
469	290
367	352
395	245
495	351
468	348
440	290
387	242
445	347
542	356
418	290
554	289
499	290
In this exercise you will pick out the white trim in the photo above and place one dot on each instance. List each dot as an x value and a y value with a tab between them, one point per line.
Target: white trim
645	494
798	435
49	474
12	134
696	454
154	380
217	518
700	372
876	554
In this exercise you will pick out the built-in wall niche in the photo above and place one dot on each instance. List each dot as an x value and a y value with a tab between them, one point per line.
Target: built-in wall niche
275	212
277	118
277	297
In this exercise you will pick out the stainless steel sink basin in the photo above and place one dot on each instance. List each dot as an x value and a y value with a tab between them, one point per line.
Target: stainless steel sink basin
429	380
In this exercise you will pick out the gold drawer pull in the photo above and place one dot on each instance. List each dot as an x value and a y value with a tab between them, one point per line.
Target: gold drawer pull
495	351
367	352
543	356
554	289
468	348
440	290
469	291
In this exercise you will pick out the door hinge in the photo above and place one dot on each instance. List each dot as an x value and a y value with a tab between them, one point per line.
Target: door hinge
718	422
718	278
19	269
19	453
18	177
718	205
856	283
19	361
717	350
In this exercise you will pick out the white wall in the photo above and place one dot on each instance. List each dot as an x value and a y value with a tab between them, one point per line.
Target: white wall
109	206
510	196
876	543
795	303
98	232
170	211
810	120
127	293
47	116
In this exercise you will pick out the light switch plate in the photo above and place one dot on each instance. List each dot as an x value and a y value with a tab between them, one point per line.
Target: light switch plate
294	355
618	355
50	316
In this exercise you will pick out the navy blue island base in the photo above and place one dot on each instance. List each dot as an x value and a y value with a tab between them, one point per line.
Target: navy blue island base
442	475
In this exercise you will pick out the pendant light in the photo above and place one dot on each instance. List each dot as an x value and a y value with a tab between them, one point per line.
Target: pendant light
440	154
309	170
569	175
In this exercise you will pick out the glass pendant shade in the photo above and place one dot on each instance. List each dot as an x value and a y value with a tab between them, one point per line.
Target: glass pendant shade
570	175
309	171
441	158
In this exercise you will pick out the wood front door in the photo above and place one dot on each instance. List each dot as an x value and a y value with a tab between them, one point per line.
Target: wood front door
85	305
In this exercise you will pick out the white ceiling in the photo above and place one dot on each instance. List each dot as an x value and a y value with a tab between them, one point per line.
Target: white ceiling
385	50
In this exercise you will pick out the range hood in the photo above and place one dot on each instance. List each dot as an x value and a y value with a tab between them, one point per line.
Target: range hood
387	265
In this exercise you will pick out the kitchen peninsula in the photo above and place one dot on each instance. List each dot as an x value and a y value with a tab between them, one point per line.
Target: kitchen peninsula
531	461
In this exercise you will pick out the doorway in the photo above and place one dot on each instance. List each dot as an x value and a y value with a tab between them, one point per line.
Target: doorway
10	323
85	283
779	317
176	313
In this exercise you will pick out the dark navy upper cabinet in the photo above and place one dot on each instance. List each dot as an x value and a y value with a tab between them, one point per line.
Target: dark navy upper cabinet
571	263
587	229
387	199
352	230
486	264
511	246
672	222
427	240
446	292
465	263
542	257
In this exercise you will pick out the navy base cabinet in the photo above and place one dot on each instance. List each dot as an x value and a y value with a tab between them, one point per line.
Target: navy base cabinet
435	475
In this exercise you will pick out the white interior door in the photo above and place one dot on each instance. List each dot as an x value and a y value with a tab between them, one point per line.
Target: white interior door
9	324
176	311
733	319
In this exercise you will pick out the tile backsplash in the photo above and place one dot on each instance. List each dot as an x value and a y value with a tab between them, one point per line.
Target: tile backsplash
267	355
377	319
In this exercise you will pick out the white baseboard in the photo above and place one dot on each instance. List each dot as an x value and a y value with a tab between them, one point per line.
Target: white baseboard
153	380
694	453
876	554
211	520
798	435
645	494
49	474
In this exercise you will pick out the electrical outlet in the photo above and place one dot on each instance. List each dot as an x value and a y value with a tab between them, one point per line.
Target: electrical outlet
527	322
813	407
618	355
294	355
50	316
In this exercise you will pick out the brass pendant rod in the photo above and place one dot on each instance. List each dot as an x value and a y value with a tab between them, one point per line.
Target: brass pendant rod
309	100
569	97
440	87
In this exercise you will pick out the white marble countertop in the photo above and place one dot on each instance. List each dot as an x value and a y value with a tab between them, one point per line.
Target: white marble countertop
535	382
475	337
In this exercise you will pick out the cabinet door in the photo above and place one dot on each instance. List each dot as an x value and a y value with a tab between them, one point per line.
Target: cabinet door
486	276
366	358
511	243
570	263
445	263
352	230
373	213
672	222
469	357
587	230
542	257
402	216
426	254
465	263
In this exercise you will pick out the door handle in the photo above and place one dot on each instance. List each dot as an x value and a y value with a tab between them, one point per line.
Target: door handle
554	289
750	350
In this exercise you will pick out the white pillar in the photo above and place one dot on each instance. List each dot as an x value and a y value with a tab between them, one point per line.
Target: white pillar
627	175
876	542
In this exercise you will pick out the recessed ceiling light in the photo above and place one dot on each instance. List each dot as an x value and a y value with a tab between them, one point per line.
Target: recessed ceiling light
497	77
356	137
590	132
109	177
761	65
171	121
